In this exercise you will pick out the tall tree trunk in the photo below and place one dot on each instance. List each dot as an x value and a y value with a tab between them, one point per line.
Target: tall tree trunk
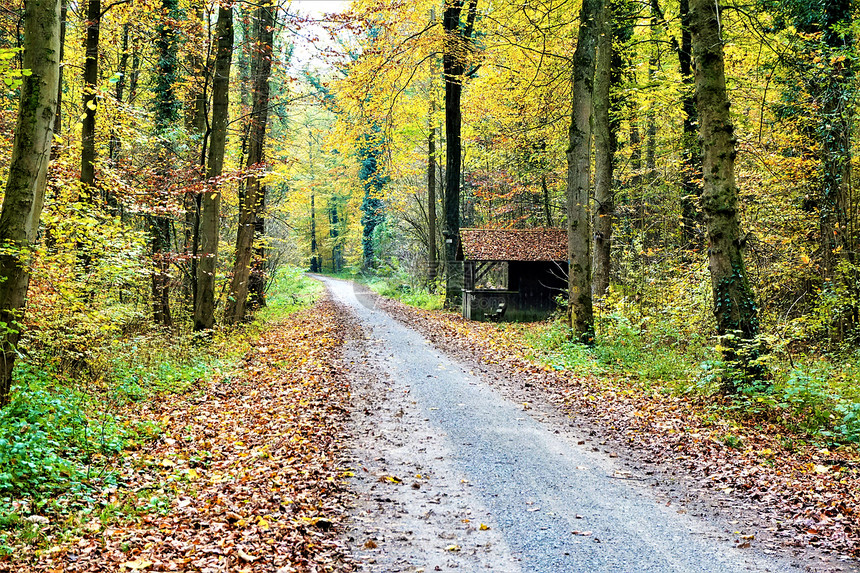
25	186
210	203
119	93
580	312
546	205
91	79
334	233
166	114
259	277
315	265
432	257
58	118
115	145
458	40
604	151
835	141
196	127
734	307
248	209
690	150
651	127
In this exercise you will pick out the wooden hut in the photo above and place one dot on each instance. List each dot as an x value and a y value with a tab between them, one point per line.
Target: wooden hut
515	274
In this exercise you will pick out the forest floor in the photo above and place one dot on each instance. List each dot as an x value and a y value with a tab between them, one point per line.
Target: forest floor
362	434
245	474
474	457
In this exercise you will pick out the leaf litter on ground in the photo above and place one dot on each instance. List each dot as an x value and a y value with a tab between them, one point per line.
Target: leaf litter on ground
244	477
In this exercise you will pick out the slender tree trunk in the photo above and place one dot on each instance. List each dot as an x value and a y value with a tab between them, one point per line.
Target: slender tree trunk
258	277
734	307
432	257
458	39
334	233
546	205
580	312
690	149
651	128
210	203
315	266
604	151
58	121
196	126
91	79
166	114
115	145
835	142
159	232
25	185
237	301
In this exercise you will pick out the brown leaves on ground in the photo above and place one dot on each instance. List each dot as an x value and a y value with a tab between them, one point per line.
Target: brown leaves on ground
244	477
808	496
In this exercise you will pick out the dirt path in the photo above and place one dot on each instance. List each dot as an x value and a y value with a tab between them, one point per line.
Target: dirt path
500	488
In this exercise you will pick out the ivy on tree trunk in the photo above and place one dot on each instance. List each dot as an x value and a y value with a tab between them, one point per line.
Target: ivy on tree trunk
734	306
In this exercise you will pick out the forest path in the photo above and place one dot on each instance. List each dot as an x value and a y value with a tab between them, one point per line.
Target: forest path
549	502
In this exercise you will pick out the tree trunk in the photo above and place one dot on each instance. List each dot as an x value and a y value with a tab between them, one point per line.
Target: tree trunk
258	277
580	313
432	257
91	79
651	128
690	150
210	201
604	151
159	232
248	209
25	186
196	127
835	142
315	266
734	307
166	114
458	40
58	117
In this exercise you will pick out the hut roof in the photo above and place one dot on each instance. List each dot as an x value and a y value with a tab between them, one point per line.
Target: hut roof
514	244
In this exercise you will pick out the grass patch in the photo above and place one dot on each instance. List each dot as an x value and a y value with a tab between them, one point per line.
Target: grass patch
412	295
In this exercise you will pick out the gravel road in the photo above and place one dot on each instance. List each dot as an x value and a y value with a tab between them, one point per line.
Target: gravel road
451	475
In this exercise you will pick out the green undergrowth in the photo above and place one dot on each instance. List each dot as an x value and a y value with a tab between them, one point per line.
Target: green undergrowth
814	397
64	427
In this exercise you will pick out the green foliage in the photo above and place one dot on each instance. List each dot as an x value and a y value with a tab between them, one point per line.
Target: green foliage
290	291
400	285
50	434
9	74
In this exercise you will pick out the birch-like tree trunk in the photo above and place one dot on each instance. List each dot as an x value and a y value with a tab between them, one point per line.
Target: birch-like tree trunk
25	186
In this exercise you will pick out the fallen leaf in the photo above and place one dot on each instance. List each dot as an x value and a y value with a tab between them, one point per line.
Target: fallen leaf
136	565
